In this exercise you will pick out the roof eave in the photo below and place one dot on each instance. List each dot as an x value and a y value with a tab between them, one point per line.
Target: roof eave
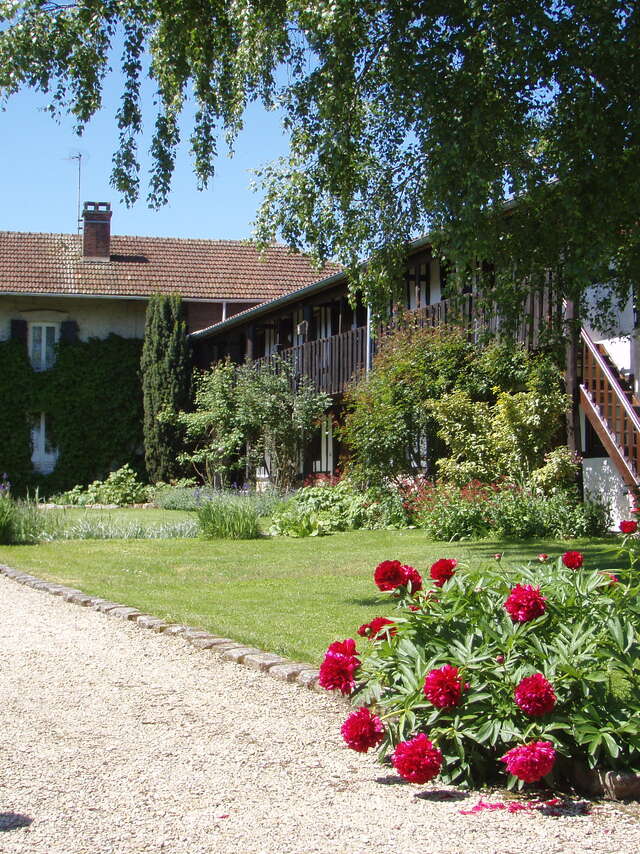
264	308
292	296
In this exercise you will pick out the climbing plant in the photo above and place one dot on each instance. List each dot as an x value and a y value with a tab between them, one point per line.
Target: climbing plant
93	403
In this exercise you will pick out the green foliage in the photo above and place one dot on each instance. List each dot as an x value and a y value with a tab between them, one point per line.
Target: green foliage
508	438
121	487
468	105
476	511
317	510
432	392
166	380
213	431
90	528
248	415
92	384
7	519
586	645
22	521
229	518
16	388
193	497
559	472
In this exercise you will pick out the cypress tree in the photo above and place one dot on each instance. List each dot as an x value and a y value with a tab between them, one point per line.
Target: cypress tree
166	377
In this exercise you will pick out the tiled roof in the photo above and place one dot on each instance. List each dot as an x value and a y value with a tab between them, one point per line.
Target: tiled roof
140	266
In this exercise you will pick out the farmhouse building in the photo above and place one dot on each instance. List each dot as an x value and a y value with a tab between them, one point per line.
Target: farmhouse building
66	287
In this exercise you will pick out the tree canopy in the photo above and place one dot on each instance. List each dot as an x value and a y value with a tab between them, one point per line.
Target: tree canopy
404	118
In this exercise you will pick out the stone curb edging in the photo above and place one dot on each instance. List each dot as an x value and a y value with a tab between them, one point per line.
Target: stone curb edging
228	649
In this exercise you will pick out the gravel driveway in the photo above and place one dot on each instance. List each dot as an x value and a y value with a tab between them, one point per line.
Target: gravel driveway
115	739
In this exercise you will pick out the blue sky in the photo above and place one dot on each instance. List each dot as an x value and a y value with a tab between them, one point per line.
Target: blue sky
39	185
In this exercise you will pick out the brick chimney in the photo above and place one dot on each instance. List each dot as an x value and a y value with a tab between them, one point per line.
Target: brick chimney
96	234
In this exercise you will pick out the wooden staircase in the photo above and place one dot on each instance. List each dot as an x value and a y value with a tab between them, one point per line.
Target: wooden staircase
612	409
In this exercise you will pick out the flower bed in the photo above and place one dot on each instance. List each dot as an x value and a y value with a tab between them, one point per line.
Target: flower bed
482	673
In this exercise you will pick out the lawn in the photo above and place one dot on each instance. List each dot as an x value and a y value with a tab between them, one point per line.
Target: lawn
291	596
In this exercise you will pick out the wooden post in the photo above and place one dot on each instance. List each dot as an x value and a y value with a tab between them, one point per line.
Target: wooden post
250	341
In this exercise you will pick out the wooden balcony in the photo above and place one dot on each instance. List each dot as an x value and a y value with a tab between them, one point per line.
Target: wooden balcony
332	363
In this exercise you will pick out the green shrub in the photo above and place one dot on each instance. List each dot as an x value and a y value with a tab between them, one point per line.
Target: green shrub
559	472
340	507
508	438
7	520
502	510
165	368
453	663
433	393
292	520
250	415
229	518
23	522
121	487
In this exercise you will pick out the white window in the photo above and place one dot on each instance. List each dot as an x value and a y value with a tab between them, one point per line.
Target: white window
43	455
43	338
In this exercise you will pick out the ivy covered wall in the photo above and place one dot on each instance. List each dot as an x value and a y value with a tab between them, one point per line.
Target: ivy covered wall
93	404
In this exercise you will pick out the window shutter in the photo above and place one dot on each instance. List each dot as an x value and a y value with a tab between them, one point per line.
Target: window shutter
69	331
19	331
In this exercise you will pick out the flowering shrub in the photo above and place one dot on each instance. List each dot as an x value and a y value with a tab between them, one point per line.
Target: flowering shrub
500	509
524	603
499	668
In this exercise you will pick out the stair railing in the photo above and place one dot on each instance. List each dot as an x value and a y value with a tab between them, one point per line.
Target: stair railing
610	411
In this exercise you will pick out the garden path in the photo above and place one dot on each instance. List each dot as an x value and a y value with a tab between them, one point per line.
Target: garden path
116	740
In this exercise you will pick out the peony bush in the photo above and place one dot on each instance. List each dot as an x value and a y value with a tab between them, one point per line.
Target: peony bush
484	672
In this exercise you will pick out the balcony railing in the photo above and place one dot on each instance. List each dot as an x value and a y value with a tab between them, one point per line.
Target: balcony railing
332	363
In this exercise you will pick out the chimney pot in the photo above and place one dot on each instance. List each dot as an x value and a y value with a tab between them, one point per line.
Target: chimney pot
96	233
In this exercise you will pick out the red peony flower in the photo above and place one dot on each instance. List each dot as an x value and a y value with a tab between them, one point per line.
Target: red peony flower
573	560
443	687
442	570
362	730
417	760
376	627
345	647
542	557
389	574
497	556
628	526
500	659
339	666
530	762
525	603
535	696
413	576
613	579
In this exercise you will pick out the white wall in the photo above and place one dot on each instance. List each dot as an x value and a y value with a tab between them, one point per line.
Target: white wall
96	318
602	480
